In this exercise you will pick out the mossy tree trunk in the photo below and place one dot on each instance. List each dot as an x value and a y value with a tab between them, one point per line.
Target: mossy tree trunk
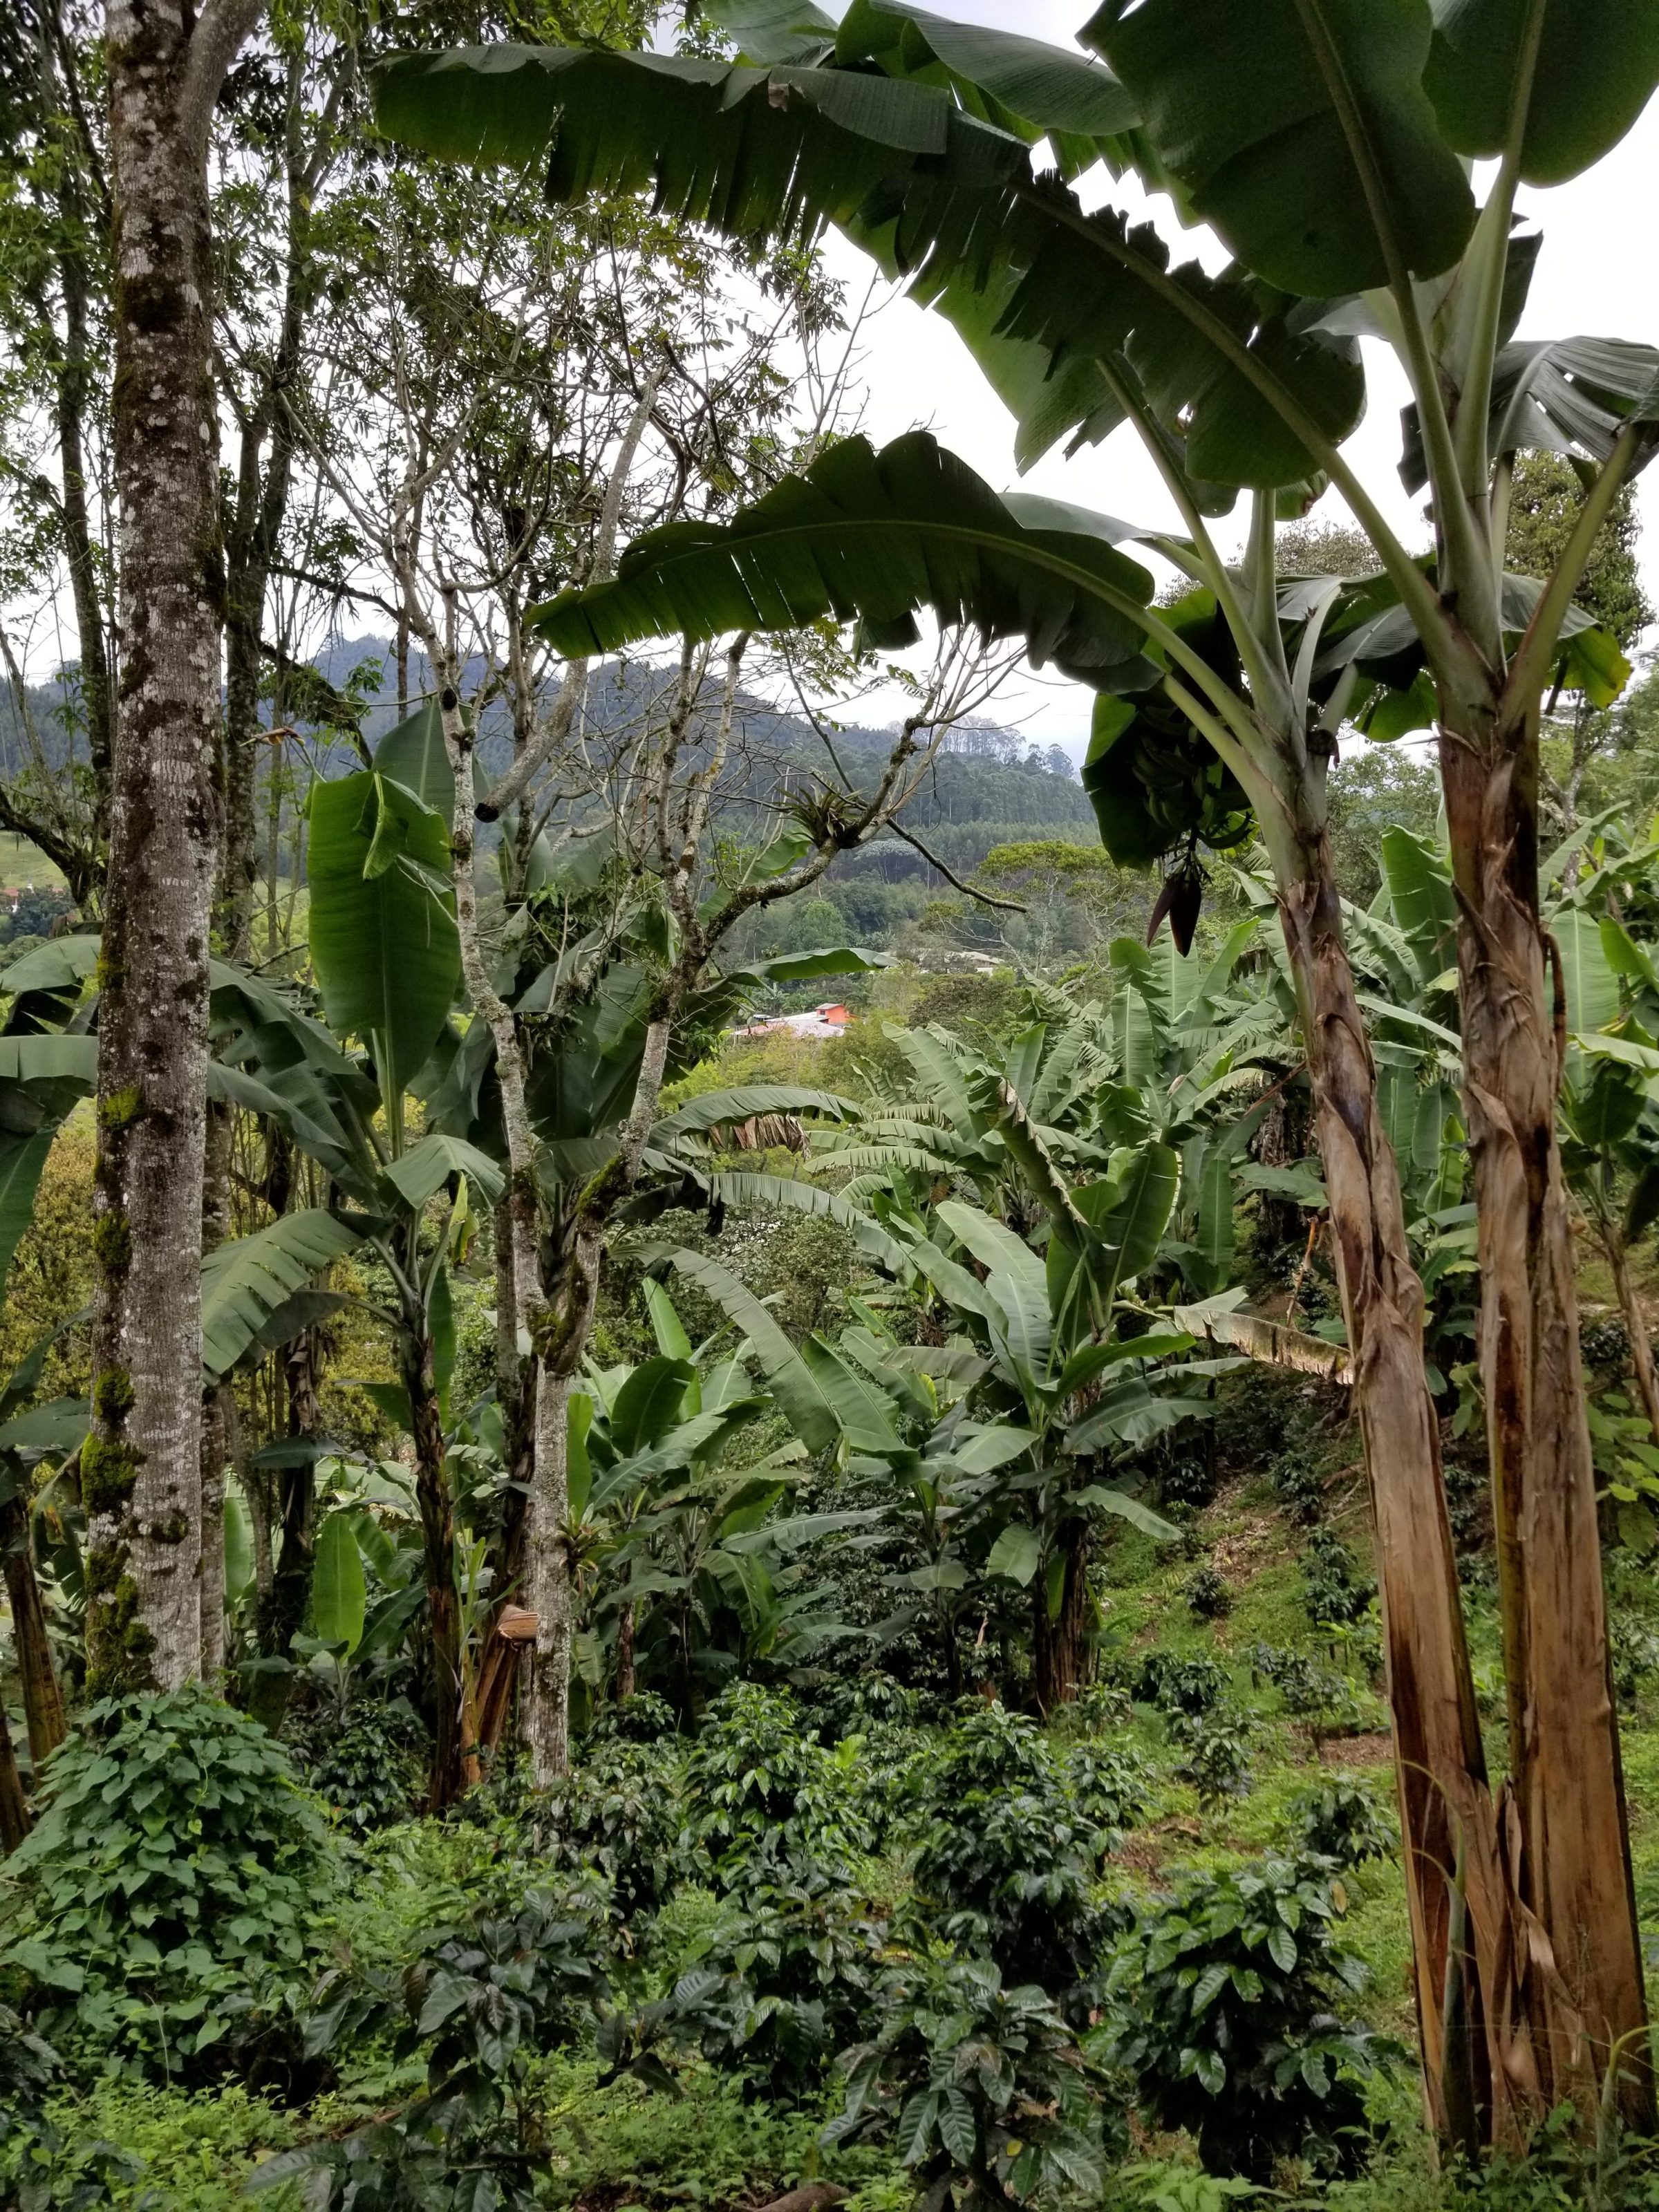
140	1471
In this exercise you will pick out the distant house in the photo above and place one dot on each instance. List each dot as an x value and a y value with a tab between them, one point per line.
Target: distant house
825	1021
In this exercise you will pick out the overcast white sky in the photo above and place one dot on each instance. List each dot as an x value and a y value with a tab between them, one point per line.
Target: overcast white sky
1597	276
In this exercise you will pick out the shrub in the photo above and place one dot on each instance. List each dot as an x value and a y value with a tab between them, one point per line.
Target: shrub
1101	1705
1605	1342
618	1812
1295	1474
1175	1685
481	2003
1311	1692
1215	1752
799	1964
1010	1850
1344	1821
369	1769
1208	1595
981	2089
842	1706
1227	1994
645	1717
1109	1787
142	2147
1186	1480
1635	1654
1333	1587
757	1780
176	1863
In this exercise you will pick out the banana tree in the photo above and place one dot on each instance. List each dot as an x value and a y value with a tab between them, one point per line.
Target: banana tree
383	951
1048	1324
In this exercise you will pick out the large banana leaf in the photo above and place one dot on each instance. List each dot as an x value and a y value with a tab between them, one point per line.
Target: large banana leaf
1130	1209
1425	907
339	1593
1597	63
1592	987
383	939
23	1162
944	1081
875	536
45	985
245	1282
1019	84
1016	1280
799	1393
925	186
715	1108
1300	130
764	1194
1569	396
428	1163
649	1403
49	1057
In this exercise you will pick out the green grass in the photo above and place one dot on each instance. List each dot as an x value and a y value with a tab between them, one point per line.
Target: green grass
22	863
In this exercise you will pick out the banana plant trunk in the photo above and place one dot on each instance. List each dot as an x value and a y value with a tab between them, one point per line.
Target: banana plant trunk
43	1699
438	1544
562	1329
280	1613
1454	1878
1061	1655
545	1710
14	1806
1635	1327
1581	1973
515	1388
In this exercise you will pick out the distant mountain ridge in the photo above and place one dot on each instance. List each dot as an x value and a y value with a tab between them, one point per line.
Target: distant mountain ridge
987	788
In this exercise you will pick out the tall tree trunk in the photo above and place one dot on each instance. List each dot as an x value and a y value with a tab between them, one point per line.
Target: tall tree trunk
141	1470
1455	1886
438	1541
219	1137
1062	1659
545	1703
43	1700
97	697
214	1446
1581	1976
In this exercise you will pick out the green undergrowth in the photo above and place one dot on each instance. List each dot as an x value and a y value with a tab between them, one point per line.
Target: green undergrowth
709	2133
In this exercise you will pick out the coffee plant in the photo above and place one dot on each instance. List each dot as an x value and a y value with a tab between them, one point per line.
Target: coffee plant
1228	1996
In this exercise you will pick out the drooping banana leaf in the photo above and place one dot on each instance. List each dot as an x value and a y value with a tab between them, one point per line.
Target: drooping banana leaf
382	928
245	1281
777	152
